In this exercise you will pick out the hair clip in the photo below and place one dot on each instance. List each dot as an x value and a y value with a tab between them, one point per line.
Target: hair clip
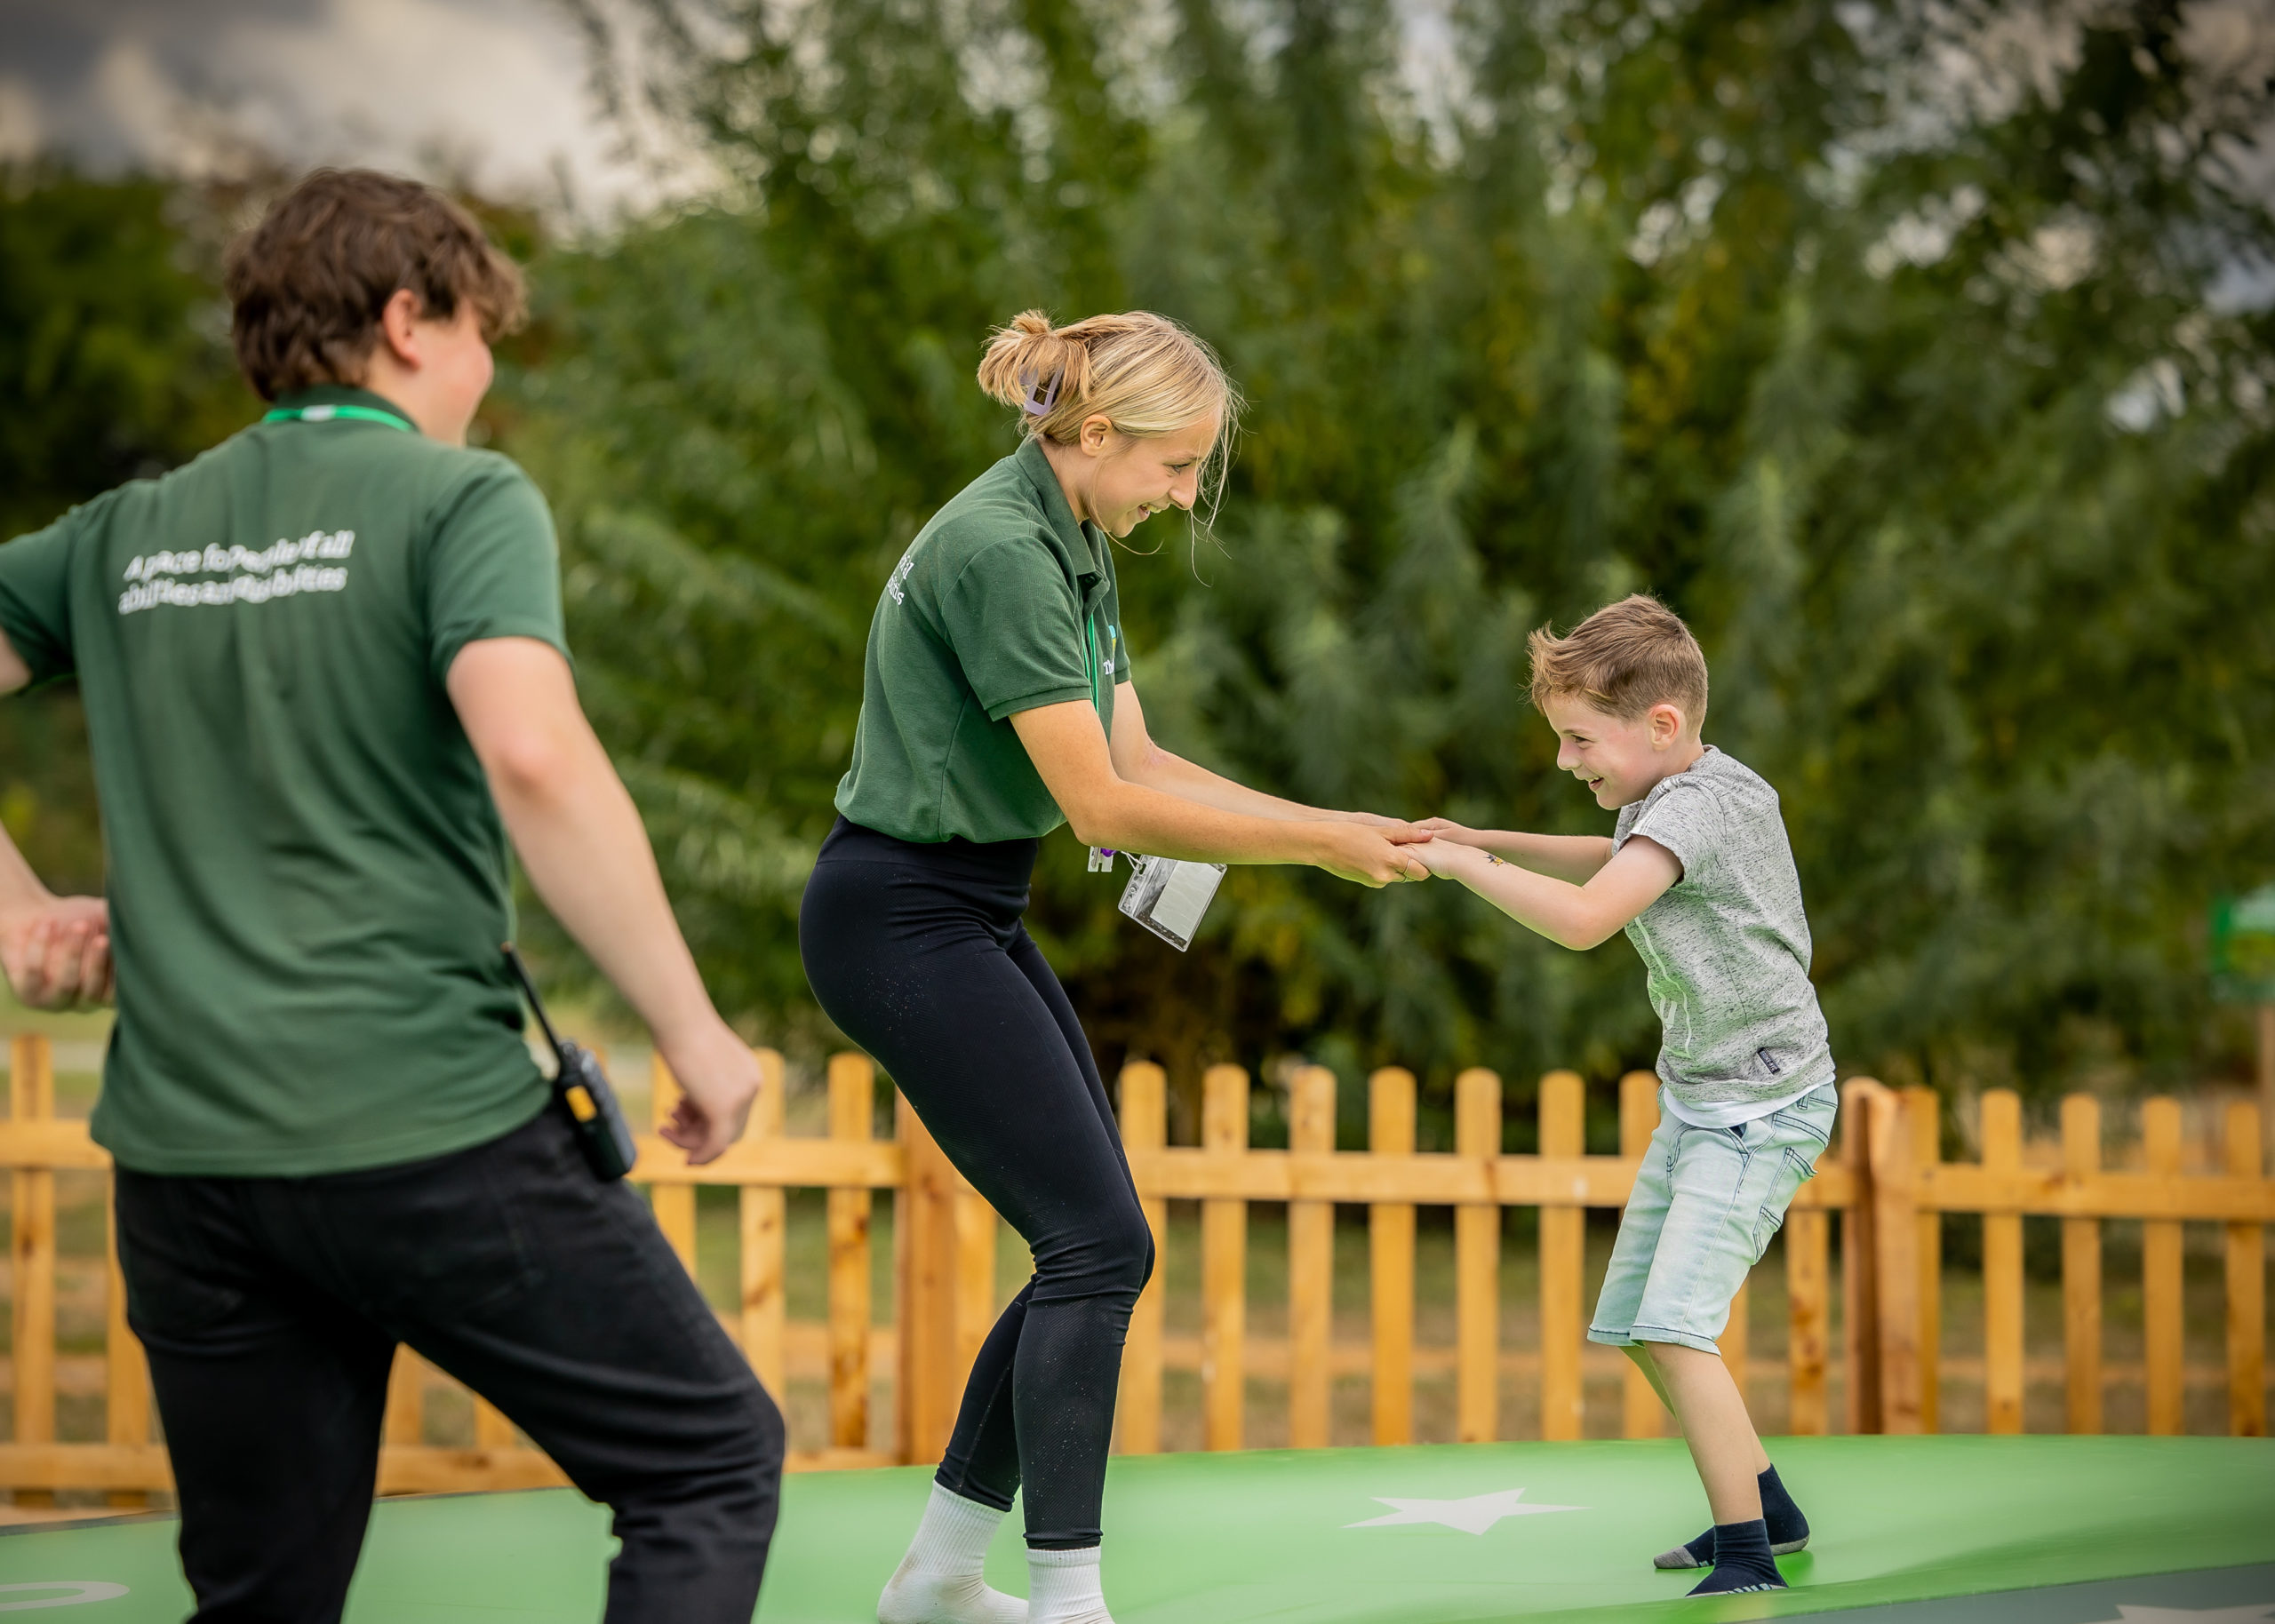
1032	406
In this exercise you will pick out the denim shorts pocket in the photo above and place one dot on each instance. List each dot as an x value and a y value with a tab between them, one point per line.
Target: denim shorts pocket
1794	1169
1805	1120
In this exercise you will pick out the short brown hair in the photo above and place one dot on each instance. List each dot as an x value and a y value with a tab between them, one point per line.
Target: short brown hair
1625	658
308	286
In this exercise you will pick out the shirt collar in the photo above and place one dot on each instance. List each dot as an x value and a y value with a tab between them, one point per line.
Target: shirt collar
1083	544
341	394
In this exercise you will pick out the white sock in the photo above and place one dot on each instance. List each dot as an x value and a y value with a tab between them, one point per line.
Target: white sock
1063	1587
938	1581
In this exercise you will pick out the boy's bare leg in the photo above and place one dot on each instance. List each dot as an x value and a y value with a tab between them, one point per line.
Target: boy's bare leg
1723	1445
1639	1354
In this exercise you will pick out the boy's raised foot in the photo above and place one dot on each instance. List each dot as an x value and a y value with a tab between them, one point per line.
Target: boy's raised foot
1788	1530
1742	1561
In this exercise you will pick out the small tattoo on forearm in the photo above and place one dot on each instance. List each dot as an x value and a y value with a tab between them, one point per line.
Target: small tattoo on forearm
1495	861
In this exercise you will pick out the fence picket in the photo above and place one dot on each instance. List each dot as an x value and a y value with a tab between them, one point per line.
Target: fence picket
975	1308
1641	1415
1310	1265
1808	1319
1389	1242
1563	1261
760	1218
1477	1267
852	1115
2160	1274
404	1426
491	1430
126	1372
2247	1263
1144	1127
1923	1111
2081	1270
2002	1271
31	1091
1860	1282
924	1246
1224	1266
674	1205
1896	1235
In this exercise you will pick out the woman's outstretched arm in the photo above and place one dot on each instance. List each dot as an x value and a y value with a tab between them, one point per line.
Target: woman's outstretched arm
1141	761
1068	746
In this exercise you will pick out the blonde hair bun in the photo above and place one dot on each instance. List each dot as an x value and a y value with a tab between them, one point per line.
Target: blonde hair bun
1145	373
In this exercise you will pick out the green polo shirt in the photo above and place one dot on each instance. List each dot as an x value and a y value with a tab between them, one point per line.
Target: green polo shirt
1004	602
307	877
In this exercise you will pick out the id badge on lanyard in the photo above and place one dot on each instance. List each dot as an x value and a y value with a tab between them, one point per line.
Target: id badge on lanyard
1168	896
1101	857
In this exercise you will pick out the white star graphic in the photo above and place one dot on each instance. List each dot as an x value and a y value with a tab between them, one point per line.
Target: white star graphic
1474	1515
2258	1613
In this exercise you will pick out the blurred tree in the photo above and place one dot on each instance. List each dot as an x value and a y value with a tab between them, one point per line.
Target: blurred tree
1876	340
115	364
1914	354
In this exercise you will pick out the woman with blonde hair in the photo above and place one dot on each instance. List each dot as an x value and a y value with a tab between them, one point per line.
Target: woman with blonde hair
997	704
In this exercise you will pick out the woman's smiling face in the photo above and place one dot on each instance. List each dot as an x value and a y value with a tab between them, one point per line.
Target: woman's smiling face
1133	477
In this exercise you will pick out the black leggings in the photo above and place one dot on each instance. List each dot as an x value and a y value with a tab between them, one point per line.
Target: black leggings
917	953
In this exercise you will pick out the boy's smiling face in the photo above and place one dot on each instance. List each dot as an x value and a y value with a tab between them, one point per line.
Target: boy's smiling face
1620	761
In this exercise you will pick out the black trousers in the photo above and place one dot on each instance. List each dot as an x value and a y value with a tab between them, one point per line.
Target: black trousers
271	1309
918	954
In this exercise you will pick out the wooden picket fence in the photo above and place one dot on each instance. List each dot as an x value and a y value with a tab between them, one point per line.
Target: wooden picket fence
1884	1180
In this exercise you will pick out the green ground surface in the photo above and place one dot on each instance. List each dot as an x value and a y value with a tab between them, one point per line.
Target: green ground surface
1235	1539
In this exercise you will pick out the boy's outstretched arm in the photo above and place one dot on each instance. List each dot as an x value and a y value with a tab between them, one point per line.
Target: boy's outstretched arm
1575	857
1576	916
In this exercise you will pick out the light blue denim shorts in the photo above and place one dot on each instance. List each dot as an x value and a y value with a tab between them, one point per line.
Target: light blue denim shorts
1705	1203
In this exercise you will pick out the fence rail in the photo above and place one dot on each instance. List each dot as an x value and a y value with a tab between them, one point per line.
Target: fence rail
1885	1182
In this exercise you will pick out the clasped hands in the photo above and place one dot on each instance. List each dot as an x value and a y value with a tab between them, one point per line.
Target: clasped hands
1419	851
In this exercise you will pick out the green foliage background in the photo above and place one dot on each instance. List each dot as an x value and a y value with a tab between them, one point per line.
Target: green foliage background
1880	348
113	366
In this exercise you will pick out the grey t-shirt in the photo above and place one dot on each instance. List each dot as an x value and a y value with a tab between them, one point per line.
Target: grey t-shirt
1727	948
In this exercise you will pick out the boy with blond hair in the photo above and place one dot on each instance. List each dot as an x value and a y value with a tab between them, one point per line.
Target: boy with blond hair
1699	874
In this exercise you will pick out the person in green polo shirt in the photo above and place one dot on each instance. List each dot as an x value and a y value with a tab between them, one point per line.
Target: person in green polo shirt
325	678
998	703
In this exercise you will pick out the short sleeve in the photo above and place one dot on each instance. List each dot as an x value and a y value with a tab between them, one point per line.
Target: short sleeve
1016	630
36	598
493	568
1688	821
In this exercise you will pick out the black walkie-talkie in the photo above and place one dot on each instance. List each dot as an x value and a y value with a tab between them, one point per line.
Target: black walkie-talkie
584	1092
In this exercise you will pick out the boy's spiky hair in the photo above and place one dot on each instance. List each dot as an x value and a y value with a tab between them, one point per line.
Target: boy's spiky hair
1625	658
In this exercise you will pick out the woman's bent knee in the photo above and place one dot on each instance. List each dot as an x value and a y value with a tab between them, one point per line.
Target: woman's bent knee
1110	1256
1129	1252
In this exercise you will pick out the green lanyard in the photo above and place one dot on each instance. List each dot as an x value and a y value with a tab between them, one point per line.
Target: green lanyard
1091	659
326	414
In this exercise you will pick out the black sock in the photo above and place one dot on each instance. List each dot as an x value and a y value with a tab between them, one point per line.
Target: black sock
1742	1561
1786	1525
